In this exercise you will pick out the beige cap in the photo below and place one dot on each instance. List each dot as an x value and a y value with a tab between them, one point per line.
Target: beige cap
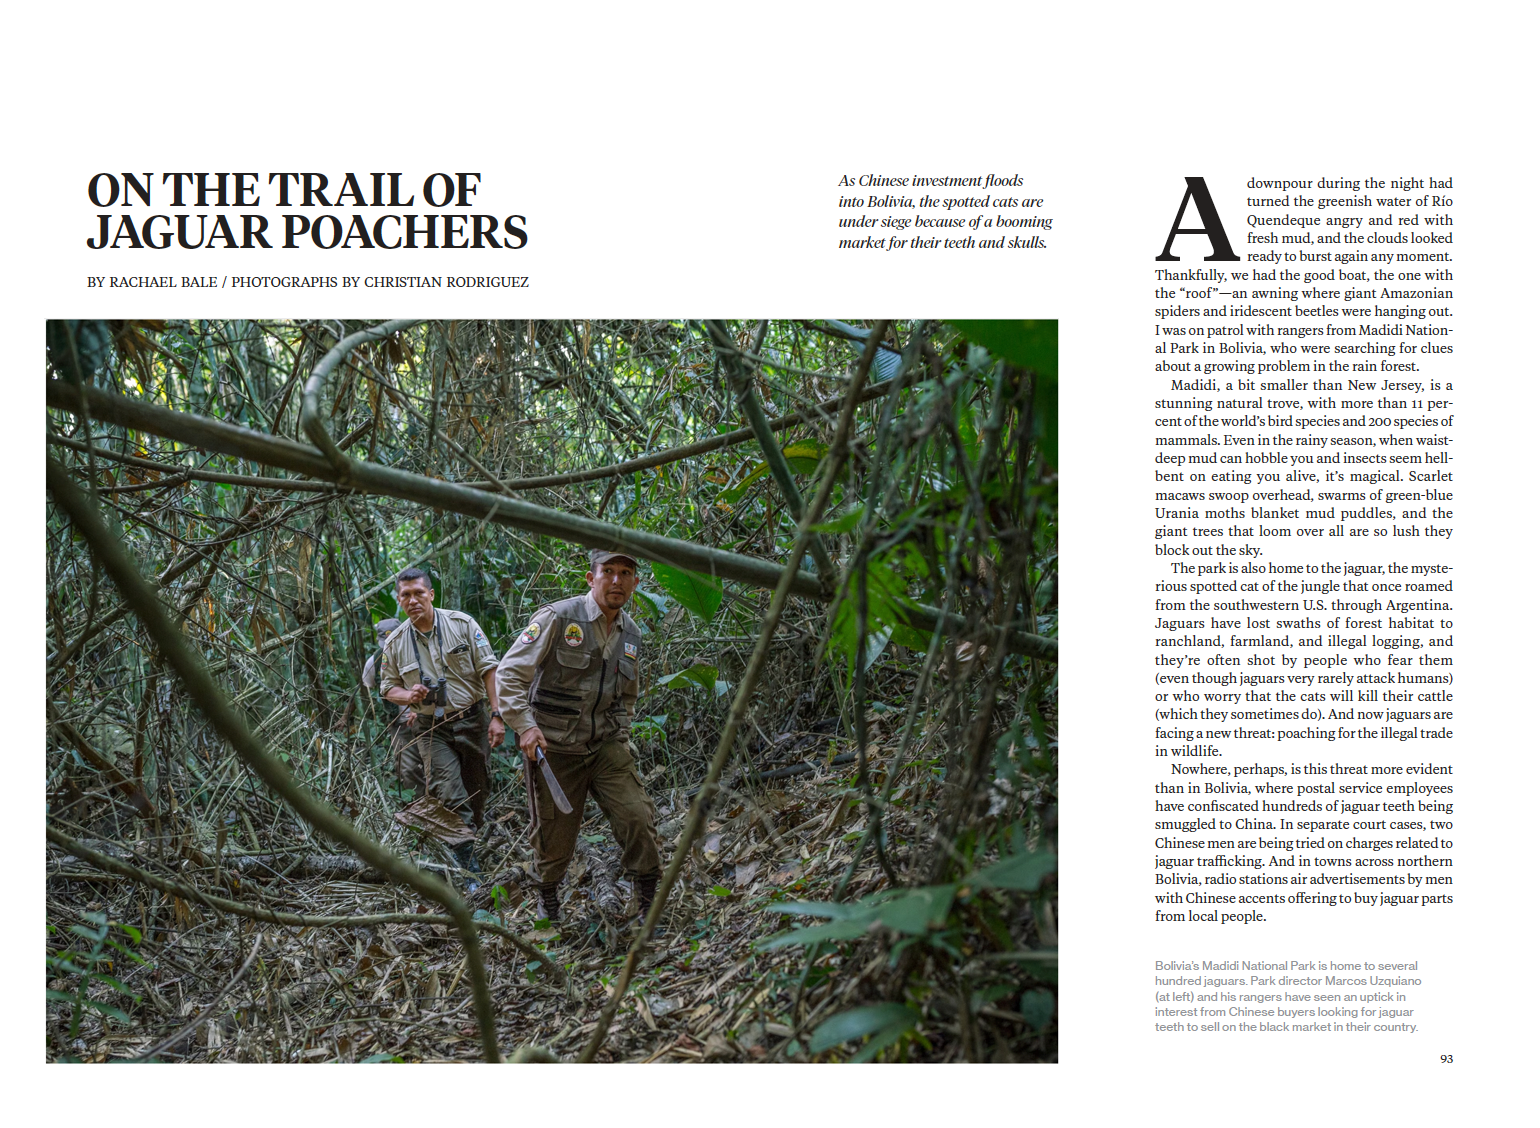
598	557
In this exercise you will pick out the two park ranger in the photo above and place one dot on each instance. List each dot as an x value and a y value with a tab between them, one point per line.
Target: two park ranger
441	666
568	687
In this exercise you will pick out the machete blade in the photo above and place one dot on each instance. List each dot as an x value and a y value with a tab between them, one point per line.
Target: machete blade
557	793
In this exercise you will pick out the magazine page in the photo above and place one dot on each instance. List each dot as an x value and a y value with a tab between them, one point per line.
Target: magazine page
451	421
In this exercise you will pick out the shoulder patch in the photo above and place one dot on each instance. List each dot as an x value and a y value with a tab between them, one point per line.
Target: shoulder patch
531	632
573	635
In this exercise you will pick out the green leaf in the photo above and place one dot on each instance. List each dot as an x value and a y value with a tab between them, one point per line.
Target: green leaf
1045	956
1037	1007
1032	345
1027	344
876	643
841	524
650	604
830	910
721	891
803	456
879	1042
839	930
734	494
886	609
904	635
698	594
78	348
379	1059
699	674
1019	871
914	911
880	1019
966	431
105	1010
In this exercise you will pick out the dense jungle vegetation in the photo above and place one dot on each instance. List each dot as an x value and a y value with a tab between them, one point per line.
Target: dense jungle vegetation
849	725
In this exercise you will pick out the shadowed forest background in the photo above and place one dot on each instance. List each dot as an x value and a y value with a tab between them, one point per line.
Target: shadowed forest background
848	720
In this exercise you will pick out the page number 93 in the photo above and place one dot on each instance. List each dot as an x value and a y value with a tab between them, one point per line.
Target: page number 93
1447	1059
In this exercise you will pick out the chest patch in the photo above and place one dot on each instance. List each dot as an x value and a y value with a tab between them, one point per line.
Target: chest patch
531	632
630	650
573	635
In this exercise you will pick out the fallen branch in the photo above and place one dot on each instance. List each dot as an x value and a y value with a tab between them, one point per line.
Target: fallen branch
193	670
368	477
277	916
752	776
208	1011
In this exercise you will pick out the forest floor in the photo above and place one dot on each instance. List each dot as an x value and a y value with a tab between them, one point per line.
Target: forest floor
397	991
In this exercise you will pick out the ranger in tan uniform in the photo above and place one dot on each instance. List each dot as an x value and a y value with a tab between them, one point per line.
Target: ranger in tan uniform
441	665
568	685
371	675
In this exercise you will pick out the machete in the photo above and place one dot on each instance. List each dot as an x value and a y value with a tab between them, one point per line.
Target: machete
557	793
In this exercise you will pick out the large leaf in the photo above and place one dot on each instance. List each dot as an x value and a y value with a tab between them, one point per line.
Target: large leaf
734	495
803	455
885	1020
1033	345
78	348
1019	871
839	930
830	910
915	911
910	911
699	674
1037	1007
1027	344
698	594
844	523
649	604
886	608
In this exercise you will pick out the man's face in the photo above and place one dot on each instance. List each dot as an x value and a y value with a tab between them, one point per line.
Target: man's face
415	598
613	583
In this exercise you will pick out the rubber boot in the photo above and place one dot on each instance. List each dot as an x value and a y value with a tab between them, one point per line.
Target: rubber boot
550	902
646	890
465	858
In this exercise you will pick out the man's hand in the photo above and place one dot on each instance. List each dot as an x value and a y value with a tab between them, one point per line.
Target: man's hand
531	740
495	730
419	693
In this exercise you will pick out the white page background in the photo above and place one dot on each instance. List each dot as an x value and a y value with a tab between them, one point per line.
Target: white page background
683	161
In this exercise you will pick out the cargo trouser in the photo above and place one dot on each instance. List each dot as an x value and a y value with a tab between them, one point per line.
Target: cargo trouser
459	758
608	774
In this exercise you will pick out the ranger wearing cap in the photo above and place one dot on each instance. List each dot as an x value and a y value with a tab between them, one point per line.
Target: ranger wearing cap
440	665
382	631
568	688
371	675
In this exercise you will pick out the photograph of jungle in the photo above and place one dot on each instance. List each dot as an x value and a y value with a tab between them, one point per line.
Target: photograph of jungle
552	691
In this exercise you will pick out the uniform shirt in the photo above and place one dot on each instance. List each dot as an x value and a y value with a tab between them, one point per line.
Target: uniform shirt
466	656
370	673
572	674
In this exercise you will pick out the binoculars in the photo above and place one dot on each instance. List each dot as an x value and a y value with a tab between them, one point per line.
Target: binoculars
438	696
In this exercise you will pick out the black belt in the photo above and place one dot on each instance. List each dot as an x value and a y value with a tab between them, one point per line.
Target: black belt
450	718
